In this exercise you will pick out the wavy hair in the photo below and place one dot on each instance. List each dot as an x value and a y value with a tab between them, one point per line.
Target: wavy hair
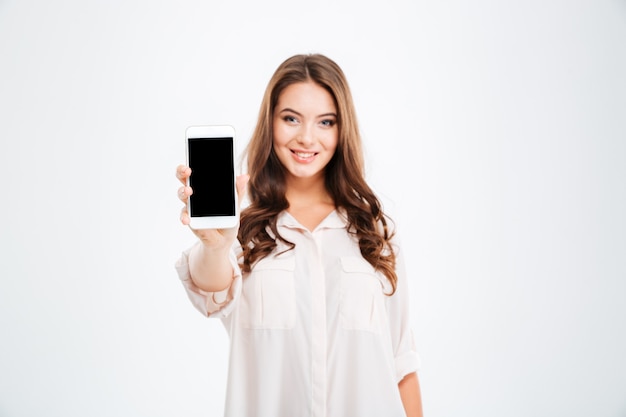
344	174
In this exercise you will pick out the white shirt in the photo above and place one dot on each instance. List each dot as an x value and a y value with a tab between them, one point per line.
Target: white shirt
311	331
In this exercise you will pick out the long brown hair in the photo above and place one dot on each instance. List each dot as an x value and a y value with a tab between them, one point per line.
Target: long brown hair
344	173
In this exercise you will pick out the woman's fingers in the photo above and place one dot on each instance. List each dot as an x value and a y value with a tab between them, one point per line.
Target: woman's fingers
182	173
184	192
184	216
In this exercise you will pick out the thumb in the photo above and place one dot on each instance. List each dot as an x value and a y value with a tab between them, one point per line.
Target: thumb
241	183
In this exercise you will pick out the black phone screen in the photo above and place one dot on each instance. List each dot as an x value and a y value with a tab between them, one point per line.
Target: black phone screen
212	177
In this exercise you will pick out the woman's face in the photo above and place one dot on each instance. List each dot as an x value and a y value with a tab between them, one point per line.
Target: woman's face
305	130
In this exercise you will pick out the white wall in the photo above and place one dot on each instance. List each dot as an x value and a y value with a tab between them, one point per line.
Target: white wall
495	133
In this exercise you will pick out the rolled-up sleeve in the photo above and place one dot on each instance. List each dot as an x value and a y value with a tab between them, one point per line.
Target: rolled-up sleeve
405	352
211	304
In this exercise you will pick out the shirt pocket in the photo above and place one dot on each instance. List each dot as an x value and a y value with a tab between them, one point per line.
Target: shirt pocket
360	295
268	298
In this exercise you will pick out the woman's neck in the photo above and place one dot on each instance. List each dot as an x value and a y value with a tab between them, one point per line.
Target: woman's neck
309	201
301	192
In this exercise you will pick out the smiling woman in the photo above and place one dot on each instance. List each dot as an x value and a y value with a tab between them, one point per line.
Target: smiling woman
494	137
305	139
311	286
305	130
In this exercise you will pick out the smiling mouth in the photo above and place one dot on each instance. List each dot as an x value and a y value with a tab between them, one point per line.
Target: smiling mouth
304	155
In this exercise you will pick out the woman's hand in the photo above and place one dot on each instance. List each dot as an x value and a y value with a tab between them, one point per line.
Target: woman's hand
210	238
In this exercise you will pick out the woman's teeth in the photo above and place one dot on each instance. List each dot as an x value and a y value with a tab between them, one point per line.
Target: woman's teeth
304	155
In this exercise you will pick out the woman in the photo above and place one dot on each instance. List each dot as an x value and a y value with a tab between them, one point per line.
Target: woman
310	286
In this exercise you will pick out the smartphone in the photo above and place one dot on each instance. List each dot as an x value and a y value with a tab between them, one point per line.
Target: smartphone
211	156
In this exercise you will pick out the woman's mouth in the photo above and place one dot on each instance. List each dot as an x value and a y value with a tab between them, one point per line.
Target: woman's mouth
303	156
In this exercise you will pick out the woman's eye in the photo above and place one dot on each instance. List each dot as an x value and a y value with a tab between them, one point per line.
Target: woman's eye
290	119
328	122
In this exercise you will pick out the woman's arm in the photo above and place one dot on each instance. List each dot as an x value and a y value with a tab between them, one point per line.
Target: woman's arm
411	397
209	265
210	269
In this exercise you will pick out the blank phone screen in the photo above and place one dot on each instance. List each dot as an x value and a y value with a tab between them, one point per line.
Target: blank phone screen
212	177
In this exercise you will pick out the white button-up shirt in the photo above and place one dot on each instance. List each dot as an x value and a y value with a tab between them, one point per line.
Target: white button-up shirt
311	330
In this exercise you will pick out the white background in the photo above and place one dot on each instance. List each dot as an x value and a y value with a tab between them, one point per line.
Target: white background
495	133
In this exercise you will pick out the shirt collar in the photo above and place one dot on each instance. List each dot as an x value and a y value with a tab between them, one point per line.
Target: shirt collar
335	220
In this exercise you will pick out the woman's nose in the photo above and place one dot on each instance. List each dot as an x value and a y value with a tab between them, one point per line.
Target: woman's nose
306	136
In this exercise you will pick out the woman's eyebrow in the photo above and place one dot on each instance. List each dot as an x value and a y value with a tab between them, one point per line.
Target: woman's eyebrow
289	110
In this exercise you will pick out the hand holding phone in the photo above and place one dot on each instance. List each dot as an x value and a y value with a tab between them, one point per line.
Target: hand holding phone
216	238
209	268
210	153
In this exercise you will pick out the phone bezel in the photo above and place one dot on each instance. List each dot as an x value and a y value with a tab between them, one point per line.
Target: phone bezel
212	131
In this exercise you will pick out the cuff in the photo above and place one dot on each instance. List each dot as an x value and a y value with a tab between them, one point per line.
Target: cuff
406	363
211	304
